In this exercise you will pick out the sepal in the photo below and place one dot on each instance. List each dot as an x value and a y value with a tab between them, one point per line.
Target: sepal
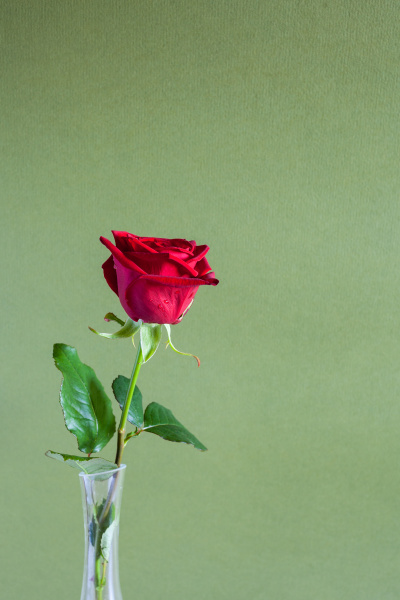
150	336
111	317
169	343
129	328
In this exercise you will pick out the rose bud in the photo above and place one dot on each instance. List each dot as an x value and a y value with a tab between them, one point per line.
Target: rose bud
156	279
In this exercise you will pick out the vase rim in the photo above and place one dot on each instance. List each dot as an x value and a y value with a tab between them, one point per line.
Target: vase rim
120	468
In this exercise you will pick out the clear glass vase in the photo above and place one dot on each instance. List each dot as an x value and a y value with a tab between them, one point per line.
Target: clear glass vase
101	498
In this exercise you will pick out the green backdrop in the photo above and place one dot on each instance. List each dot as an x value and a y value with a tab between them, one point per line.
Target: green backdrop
270	131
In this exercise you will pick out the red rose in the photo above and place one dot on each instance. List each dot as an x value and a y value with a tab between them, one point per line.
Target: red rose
156	279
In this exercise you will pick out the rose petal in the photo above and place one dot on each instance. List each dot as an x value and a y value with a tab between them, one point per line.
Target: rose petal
122	241
183	264
120	256
110	274
207	279
210	278
200	252
155	303
140	244
157	264
127	242
203	267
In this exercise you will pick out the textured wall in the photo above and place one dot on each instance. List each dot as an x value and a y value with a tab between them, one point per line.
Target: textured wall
269	130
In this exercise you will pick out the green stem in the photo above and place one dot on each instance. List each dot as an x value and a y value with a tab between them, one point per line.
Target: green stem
103	576
100	573
124	416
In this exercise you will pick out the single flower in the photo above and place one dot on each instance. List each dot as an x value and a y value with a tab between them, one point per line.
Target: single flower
156	279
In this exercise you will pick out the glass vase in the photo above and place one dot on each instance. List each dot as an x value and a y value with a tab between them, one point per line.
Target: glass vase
101	499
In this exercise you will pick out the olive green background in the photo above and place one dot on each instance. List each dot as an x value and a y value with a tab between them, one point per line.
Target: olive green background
270	131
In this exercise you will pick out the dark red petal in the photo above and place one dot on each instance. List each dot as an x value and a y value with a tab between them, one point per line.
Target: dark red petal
155	303
110	274
184	264
210	278
128	242
176	246
122	240
182	281
120	256
140	245
203	267
158	264
200	252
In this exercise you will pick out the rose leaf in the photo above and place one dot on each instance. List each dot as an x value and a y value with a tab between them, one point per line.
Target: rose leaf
84	464
87	408
106	540
120	387
160	421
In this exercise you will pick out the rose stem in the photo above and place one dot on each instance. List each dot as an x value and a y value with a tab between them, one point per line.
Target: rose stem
124	416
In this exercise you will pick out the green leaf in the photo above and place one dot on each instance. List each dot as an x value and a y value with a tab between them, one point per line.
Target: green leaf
129	329
92	531
161	421
110	516
150	336
84	464
120	387
87	408
168	328
106	540
101	528
111	317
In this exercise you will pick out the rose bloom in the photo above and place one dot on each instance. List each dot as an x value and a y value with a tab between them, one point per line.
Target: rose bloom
156	279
